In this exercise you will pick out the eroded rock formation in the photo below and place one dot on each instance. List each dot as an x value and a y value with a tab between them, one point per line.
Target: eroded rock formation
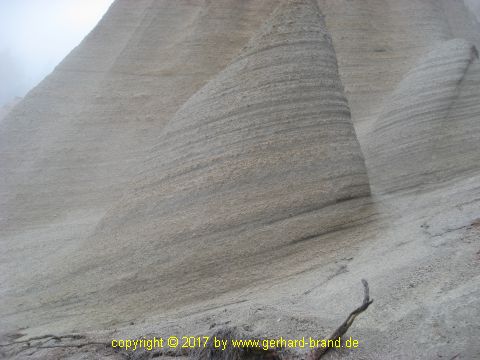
196	163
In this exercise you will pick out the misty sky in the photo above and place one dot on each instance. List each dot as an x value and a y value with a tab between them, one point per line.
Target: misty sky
35	35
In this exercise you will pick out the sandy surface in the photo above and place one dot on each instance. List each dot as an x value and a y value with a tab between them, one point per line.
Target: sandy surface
193	165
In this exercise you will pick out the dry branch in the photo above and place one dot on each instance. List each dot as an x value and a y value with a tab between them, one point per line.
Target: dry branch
209	353
342	329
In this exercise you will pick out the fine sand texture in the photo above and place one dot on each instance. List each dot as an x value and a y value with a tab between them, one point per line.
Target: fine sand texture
199	164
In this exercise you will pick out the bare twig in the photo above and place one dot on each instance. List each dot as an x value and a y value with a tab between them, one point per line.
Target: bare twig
209	353
342	329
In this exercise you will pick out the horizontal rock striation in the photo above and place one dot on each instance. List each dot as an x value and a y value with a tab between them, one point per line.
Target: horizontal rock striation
262	158
195	162
429	128
378	41
71	146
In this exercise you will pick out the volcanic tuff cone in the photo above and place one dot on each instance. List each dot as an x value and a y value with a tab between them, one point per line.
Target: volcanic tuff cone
70	148
192	164
262	158
429	128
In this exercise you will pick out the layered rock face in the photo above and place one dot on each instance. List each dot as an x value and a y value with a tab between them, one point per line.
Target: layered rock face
261	158
79	135
195	163
378	41
428	130
71	147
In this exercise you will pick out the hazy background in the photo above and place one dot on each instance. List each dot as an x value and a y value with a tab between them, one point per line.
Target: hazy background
35	35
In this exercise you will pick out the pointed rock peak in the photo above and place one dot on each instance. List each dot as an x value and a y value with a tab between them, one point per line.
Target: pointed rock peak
445	63
264	158
442	68
291	49
418	139
293	21
281	96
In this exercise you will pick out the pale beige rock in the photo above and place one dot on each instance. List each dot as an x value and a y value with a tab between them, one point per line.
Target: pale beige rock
193	164
423	134
262	158
378	41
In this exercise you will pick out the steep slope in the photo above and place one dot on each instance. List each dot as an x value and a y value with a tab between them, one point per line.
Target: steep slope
378	41
268	142
78	134
70	148
429	128
246	177
186	168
